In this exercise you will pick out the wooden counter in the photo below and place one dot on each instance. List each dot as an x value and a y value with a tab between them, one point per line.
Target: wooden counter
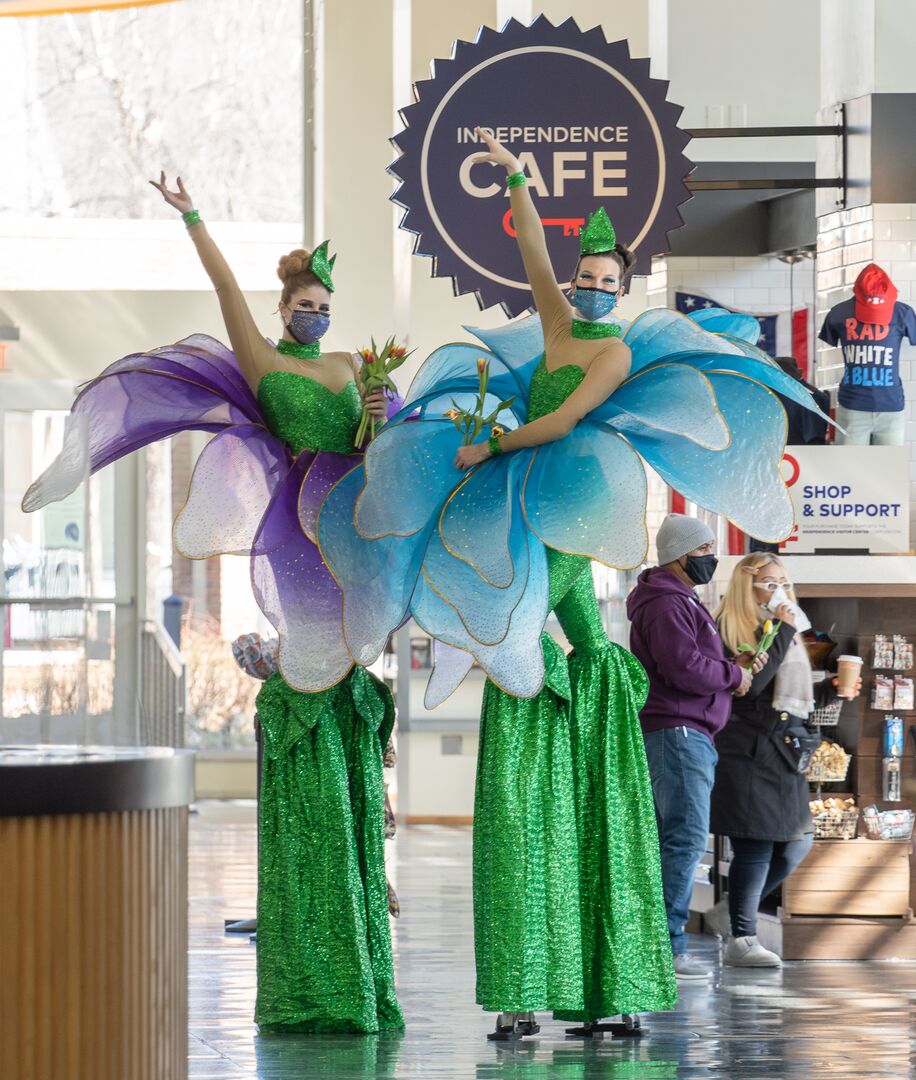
93	904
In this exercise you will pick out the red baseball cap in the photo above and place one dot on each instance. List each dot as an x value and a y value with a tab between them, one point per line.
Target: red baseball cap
875	295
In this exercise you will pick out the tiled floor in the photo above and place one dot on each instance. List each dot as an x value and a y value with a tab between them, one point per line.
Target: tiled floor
807	1021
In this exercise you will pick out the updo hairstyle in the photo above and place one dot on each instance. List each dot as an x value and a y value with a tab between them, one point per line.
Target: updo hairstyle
293	271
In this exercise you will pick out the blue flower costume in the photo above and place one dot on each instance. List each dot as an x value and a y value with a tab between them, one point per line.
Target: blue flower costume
567	889
568	901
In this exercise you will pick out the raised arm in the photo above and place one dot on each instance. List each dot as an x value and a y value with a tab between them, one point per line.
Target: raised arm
547	294
607	372
244	337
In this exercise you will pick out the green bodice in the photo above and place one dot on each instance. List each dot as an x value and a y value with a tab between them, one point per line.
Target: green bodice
572	595
549	389
307	415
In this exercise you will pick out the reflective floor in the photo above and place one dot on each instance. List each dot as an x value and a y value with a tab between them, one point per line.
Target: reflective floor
808	1020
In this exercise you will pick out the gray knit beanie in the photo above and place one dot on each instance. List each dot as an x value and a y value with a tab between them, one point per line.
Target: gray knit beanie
679	534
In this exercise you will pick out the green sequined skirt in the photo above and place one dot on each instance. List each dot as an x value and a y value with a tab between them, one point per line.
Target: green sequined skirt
569	914
324	941
526	881
626	946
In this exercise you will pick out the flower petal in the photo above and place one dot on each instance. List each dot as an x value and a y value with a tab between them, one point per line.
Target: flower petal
586	494
233	482
377	576
742	482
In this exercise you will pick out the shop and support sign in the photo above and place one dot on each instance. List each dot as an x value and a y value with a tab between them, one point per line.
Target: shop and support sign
588	124
849	497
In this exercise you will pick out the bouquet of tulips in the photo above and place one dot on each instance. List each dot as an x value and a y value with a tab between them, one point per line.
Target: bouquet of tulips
376	375
470	422
770	630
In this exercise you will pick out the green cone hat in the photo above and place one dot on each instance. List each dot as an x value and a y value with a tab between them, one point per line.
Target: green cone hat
598	236
321	266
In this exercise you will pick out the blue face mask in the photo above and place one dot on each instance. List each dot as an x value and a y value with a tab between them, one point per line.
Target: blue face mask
308	327
594	304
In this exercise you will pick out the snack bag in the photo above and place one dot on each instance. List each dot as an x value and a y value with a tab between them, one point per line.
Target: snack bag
884	653
903	653
882	695
903	693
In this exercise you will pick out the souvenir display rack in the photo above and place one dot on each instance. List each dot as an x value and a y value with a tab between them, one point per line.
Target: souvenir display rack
854	898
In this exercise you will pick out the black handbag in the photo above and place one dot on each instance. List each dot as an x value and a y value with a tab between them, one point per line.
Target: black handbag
796	742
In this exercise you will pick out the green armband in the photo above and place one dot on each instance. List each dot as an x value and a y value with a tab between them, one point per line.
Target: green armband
516	179
191	218
495	448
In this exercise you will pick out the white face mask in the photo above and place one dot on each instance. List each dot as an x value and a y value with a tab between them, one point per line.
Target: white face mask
777	596
780	596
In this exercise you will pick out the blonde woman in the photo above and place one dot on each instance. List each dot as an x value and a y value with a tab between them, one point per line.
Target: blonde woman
760	798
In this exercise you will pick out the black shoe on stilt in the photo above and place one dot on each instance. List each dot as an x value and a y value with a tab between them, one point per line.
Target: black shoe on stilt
587	1031
507	1028
527	1024
628	1027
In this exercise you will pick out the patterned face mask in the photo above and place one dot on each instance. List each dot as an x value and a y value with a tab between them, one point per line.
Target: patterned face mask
594	304
308	326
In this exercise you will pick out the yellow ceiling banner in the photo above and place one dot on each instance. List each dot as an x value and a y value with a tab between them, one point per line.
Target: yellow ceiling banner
68	7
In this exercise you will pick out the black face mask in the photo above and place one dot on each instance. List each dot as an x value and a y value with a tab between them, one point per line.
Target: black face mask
700	568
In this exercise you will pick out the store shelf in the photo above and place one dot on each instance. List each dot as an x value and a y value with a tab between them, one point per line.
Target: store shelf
883	589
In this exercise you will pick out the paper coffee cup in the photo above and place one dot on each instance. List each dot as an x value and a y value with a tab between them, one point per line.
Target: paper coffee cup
849	668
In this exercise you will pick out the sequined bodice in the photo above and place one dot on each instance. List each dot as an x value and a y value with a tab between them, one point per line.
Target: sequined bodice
549	389
307	415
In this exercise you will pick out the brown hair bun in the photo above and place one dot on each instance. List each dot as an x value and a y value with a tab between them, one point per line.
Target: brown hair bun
293	271
292	264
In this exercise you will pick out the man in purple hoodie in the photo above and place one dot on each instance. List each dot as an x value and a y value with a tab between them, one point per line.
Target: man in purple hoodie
690	688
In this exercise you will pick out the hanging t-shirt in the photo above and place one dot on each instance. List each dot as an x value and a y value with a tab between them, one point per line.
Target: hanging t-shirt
871	354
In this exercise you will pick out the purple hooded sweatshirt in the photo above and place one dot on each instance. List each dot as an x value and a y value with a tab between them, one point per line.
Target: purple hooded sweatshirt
677	641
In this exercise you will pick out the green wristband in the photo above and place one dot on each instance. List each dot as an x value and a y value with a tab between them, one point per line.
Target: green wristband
191	218
494	446
516	179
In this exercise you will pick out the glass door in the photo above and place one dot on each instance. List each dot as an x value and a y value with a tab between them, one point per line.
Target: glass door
58	601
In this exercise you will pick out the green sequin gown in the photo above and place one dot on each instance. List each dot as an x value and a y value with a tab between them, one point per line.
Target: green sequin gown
568	907
324	942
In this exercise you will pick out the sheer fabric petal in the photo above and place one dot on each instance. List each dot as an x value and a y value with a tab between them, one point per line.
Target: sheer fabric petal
586	495
742	482
232	485
297	592
377	576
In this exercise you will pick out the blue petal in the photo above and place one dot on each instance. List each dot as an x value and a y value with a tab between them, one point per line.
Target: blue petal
409	473
732	323
671	397
478	560
516	664
660	334
377	576
742	482
450	666
586	494
475	520
453	368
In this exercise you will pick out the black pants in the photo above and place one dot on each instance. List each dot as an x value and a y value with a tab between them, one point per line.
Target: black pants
757	868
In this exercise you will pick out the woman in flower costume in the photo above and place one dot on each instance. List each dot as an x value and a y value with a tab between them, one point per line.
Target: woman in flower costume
284	419
568	902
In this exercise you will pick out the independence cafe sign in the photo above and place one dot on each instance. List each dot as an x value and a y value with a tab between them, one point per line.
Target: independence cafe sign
590	128
848	497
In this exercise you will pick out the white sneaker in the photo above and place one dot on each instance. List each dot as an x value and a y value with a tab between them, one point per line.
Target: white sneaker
718	921
688	970
748	952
